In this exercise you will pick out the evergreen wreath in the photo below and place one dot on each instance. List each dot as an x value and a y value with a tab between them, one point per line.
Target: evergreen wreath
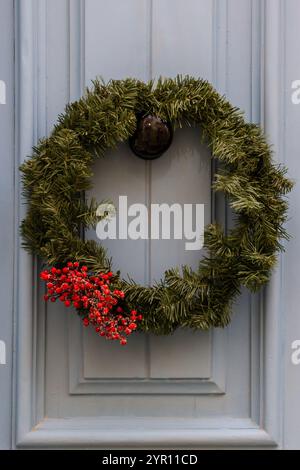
59	172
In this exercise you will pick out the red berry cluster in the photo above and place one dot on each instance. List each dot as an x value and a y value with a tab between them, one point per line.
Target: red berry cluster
93	297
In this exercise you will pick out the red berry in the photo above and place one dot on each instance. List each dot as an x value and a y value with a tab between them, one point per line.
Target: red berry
44	275
92	294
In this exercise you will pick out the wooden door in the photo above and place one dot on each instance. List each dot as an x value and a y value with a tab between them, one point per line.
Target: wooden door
190	389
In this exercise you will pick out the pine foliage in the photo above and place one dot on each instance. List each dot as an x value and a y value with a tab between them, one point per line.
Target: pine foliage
59	172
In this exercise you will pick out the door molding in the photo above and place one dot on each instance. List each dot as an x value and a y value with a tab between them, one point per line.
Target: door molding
32	429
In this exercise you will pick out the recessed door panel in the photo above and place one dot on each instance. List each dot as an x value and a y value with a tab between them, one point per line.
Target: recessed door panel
211	375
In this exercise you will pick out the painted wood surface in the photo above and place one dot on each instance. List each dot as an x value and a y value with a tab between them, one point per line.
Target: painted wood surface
235	387
6	216
164	377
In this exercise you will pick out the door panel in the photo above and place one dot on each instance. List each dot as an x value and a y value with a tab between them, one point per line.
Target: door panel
119	173
181	176
182	38
225	389
187	374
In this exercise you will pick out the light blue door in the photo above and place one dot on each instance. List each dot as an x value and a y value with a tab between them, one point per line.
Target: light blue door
199	377
221	388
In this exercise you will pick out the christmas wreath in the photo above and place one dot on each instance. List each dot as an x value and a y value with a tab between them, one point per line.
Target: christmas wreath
78	271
